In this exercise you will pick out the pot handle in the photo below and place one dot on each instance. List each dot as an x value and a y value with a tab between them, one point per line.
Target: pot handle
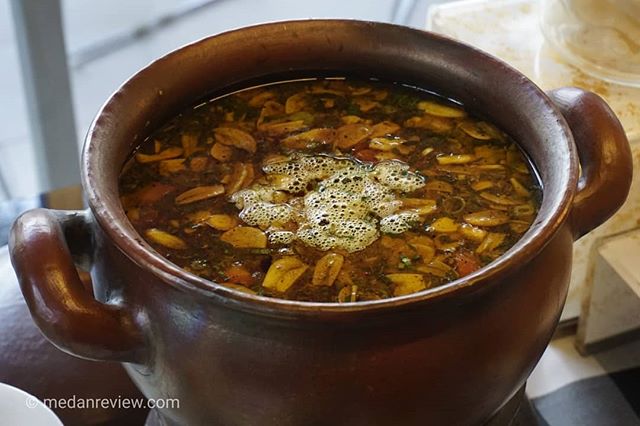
65	312
605	157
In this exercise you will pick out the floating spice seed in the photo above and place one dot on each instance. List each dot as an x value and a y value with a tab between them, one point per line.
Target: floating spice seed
366	105
167	154
165	239
490	167
198	216
523	210
353	297
359	91
380	95
426	252
446	244
473	233
327	269
384	128
245	237
283	273
198	164
431	122
496	199
261	98
167	167
221	152
481	185
348	293
453	205
241	176
308	139
199	193
239	275
439	110
486	218
221	222
390	145
424	246
235	137
455	159
295	103
428	150
406	283
436	267
444	225
269	109
146	195
519	226
189	143
318	90
352	134
490	242
439	186
329	102
278	129
519	188
477	130
351	119
422	206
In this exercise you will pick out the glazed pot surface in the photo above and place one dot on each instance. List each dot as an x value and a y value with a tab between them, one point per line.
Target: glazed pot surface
232	358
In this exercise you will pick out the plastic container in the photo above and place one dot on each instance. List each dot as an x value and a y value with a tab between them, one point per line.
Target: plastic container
601	37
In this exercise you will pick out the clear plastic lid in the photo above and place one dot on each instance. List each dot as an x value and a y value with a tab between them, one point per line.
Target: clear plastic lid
601	37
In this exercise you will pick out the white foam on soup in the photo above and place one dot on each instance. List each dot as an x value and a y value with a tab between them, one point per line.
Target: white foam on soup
336	203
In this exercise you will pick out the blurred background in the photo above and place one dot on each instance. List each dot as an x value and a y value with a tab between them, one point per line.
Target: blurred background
106	41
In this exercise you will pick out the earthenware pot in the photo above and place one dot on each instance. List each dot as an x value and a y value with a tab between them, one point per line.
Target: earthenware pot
451	355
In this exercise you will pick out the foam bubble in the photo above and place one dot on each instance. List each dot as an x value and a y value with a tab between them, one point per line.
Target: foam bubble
395	174
252	195
399	222
295	174
266	214
345	203
281	237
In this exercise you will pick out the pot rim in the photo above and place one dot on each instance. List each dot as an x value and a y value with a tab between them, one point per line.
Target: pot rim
122	234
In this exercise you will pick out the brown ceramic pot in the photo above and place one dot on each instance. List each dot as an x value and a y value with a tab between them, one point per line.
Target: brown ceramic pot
451	355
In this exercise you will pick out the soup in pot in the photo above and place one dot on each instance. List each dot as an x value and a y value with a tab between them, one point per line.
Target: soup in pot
329	190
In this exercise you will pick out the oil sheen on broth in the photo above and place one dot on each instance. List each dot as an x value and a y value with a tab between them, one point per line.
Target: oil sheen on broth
329	190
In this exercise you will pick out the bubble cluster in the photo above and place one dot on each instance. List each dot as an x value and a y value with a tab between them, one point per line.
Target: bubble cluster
295	174
399	223
264	214
277	237
337	203
351	235
395	174
255	194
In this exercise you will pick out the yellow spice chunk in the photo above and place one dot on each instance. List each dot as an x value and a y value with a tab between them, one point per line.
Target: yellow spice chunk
283	273
165	239
327	269
407	283
245	237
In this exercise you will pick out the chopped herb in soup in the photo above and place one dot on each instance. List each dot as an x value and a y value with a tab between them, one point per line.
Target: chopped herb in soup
329	191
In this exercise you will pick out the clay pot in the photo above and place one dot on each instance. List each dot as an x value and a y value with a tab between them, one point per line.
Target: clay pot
451	355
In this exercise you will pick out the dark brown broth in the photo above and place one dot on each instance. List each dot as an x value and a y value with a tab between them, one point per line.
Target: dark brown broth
478	197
